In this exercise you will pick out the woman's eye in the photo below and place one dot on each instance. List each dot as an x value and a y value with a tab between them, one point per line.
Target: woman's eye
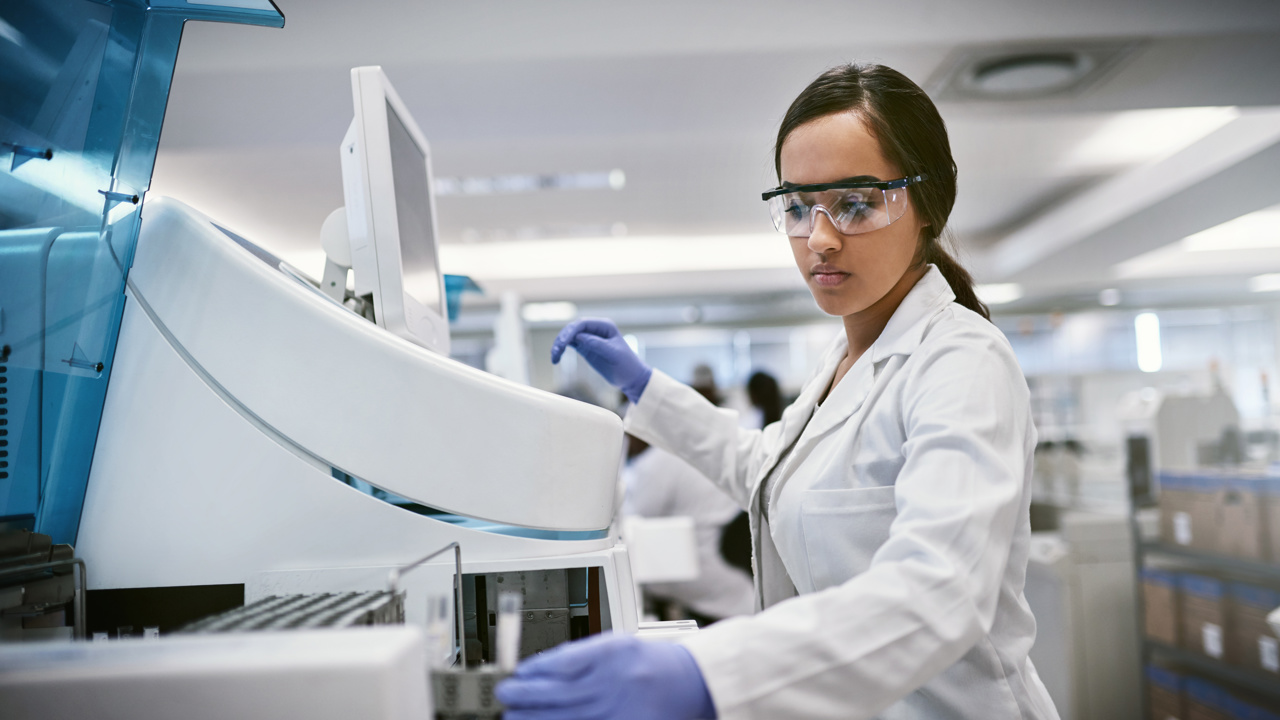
796	210
853	208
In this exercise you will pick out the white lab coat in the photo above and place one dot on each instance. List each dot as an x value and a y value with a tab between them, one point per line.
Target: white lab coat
900	516
660	484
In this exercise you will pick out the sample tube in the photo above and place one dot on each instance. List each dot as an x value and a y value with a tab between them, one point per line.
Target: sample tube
439	632
509	624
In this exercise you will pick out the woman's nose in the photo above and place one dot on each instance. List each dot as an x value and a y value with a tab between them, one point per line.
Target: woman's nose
823	237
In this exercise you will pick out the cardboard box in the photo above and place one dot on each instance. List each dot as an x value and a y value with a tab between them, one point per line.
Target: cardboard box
1174	502
1164	694
1160	605
1189	510
1271	519
1205	700
1252	642
1203	615
1241	518
1239	709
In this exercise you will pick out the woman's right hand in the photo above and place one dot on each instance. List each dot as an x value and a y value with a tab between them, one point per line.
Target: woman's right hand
598	341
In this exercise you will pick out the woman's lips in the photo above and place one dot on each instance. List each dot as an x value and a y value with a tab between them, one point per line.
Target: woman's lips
827	275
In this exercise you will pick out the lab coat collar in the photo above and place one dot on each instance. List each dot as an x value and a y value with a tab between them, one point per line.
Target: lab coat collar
901	336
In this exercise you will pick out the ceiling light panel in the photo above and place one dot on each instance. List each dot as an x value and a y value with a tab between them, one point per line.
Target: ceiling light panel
511	184
1142	136
1269	282
1260	229
549	312
998	293
528	259
1241	246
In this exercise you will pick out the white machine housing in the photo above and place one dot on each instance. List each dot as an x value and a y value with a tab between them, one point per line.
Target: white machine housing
369	673
240	395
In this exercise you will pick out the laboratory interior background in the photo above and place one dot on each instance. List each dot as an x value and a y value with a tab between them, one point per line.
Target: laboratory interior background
1119	206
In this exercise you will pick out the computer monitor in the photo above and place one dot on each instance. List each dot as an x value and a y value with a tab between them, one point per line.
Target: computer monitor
390	211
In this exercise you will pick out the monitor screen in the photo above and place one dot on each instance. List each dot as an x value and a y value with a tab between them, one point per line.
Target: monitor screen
413	212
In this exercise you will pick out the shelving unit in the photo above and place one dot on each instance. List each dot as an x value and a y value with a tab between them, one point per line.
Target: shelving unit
1231	676
1265	572
1258	682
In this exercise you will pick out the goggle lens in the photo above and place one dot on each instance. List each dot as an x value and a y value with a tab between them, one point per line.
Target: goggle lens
852	211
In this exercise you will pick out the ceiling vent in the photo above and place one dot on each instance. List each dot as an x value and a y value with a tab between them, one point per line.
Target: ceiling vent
1026	72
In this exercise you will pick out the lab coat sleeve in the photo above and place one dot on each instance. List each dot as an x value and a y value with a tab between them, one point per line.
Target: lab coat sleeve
931	591
648	488
674	417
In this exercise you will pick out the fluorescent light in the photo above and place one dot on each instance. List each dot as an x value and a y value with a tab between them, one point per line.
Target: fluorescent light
1146	327
1269	282
998	293
548	312
1140	136
512	184
1244	245
1109	297
608	256
10	33
1260	229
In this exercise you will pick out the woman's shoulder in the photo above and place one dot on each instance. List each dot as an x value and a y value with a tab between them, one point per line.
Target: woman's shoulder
957	335
964	363
955	323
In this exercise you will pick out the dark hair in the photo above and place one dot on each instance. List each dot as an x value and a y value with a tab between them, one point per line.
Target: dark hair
763	390
912	136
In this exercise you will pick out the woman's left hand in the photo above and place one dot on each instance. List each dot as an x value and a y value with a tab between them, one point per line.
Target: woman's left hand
606	678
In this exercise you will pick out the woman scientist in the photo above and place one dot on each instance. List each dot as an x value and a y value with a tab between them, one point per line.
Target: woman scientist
889	505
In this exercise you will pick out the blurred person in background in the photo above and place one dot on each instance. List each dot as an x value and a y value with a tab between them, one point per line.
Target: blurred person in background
766	398
659	484
767	404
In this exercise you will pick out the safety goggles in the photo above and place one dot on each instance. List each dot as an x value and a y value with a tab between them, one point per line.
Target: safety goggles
852	206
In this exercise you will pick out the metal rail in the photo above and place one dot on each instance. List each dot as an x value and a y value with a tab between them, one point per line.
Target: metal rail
393	584
78	617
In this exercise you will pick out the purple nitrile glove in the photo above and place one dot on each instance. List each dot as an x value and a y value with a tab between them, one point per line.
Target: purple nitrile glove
608	677
599	343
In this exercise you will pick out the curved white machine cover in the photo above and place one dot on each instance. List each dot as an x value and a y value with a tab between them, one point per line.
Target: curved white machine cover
365	401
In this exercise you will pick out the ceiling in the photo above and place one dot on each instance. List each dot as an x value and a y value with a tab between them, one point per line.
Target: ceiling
1056	194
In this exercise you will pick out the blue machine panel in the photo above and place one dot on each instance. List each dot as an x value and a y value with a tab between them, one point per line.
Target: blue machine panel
82	100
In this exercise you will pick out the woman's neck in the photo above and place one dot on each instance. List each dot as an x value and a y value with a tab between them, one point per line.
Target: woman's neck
864	327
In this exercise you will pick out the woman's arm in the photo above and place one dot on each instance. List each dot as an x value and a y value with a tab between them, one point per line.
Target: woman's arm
669	414
676	418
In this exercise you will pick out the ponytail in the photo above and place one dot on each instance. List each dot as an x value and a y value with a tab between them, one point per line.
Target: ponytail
957	277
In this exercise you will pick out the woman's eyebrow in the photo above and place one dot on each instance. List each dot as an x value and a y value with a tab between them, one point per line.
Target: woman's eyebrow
855	178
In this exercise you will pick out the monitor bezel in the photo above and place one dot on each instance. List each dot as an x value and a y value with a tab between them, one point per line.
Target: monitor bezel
372	219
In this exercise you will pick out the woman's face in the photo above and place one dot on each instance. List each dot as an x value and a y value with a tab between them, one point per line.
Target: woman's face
846	273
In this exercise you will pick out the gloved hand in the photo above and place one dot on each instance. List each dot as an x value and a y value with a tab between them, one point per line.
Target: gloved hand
601	345
609	677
